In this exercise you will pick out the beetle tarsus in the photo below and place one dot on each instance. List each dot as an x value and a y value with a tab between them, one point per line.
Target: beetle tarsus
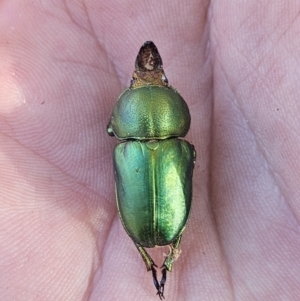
163	279
155	281
160	295
160	289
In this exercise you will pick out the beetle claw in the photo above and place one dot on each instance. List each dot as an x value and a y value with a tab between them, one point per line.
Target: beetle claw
160	295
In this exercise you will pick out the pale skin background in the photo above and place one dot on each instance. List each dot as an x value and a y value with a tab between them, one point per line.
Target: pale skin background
63	65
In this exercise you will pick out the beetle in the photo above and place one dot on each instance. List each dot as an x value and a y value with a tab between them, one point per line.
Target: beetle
153	168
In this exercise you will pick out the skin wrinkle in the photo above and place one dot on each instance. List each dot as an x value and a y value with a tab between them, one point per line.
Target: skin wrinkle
210	165
74	62
90	31
271	50
287	49
98	268
254	72
262	7
289	27
215	220
272	171
257	79
258	147
87	188
238	107
89	289
210	180
291	229
99	275
213	213
253	298
260	62
101	45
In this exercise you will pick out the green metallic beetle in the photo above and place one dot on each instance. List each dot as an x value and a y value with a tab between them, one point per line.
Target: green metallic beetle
153	168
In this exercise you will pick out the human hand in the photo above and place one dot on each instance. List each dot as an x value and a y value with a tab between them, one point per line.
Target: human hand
63	66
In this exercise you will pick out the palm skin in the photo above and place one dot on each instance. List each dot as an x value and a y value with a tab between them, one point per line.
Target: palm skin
63	65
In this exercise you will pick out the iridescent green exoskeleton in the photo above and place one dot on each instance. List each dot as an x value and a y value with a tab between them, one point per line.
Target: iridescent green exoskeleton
153	168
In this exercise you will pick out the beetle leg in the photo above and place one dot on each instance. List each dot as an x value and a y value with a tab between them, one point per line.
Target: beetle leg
163	280
150	265
168	263
146	257
156	283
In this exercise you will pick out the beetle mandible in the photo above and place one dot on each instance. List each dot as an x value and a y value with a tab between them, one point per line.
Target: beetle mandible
153	168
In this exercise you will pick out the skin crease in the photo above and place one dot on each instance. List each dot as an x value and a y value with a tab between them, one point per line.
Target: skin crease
63	65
